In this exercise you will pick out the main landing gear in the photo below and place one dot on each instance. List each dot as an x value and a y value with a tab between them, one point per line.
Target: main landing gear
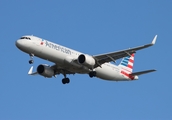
92	74
31	57
65	80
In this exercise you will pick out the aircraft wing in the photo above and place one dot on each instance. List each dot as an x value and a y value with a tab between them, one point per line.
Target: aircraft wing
55	68
108	57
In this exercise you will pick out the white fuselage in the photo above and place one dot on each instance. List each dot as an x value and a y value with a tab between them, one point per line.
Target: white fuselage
64	57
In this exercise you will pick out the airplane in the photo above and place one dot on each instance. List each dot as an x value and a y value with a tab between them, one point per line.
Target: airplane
68	61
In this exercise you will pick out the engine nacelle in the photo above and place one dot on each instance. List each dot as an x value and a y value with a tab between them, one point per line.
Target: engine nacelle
45	71
86	60
69	62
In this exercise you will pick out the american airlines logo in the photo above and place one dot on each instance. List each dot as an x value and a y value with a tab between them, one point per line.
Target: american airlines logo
57	47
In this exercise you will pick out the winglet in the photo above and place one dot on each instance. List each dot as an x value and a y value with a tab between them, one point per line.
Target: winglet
154	40
30	71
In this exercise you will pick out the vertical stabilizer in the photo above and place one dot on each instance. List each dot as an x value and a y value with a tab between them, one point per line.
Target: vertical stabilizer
127	64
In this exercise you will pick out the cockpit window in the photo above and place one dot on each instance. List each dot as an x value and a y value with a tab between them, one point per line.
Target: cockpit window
25	38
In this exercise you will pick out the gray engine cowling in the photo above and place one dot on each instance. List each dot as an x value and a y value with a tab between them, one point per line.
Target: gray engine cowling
86	60
45	71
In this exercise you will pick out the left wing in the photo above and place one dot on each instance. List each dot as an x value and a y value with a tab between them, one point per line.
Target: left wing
108	57
56	69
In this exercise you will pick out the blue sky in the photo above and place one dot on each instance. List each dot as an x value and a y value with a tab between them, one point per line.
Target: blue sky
93	27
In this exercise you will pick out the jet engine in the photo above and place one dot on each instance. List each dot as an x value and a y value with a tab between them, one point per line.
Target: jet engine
45	71
86	60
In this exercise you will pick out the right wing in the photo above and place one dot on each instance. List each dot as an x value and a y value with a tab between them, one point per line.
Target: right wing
113	56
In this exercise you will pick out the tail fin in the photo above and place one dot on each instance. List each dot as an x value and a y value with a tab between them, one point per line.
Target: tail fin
127	63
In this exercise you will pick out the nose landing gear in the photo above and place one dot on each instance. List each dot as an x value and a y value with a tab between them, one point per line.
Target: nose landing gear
31	61
31	57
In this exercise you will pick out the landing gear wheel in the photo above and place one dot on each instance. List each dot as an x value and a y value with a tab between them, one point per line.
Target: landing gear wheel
31	61
65	80
92	74
31	58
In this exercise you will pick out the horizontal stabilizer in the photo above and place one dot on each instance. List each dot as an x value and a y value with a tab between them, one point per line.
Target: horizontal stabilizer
142	72
31	71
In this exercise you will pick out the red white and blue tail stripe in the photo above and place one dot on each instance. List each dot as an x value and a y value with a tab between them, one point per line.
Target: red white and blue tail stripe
127	64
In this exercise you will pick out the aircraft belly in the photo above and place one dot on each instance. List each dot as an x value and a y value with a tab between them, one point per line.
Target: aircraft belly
71	64
108	73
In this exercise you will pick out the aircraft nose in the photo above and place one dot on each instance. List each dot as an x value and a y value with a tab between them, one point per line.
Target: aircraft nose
19	43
